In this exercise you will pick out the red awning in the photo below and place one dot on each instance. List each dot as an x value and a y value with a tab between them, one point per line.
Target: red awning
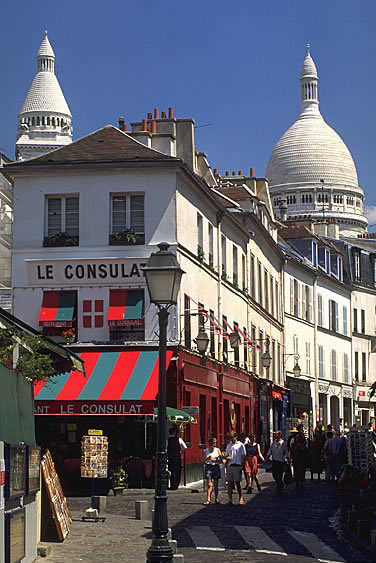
58	308
116	383
126	307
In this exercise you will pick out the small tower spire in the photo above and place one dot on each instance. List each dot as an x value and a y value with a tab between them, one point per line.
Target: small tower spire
309	102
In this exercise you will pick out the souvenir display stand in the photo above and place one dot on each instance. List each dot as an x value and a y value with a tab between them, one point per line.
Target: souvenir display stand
94	465
360	448
53	501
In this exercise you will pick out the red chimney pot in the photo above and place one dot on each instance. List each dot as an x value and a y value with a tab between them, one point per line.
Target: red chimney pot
150	116
170	113
251	172
153	127
156	113
163	116
144	125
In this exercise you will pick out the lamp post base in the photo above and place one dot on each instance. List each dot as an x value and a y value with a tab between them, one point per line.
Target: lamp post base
159	551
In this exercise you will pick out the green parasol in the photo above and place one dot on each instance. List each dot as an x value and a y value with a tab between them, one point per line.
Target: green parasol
177	416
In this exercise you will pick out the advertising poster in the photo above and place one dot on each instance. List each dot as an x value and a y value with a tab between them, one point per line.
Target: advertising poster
2	483
94	456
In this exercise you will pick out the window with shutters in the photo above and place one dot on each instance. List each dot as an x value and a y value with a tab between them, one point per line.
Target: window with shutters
62	219
346	368
345	328
356	366
357	265
295	344
355	311
319	310
363	320
292	296
364	366
333	315
272	310
224	257
127	219
277	300
296	298
321	361
261	337
252	290
235	278
333	365
211	245
260	298
200	235
245	349
266	289
244	283
212	336
308	358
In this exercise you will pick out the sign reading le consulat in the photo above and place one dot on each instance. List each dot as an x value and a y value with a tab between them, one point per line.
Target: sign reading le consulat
80	271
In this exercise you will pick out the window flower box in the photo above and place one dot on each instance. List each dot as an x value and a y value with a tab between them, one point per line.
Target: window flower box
127	236
60	239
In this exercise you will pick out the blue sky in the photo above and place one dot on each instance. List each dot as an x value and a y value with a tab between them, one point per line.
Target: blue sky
233	65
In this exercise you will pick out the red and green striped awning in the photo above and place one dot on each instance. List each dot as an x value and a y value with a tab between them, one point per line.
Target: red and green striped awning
126	307
58	308
113	382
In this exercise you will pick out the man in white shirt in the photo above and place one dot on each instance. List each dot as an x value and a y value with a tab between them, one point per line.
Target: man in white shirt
235	455
278	453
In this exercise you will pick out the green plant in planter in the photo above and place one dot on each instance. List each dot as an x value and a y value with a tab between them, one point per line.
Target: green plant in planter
119	478
126	235
224	273
201	255
245	291
63	239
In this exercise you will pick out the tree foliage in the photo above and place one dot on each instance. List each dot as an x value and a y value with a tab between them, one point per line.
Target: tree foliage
34	361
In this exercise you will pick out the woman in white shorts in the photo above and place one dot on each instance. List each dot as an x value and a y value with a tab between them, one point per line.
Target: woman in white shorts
212	469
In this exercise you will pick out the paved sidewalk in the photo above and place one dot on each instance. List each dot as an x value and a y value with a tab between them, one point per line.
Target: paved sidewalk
280	521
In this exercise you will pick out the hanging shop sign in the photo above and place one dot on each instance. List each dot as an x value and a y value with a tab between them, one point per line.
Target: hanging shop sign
93	407
363	394
277	395
80	271
347	392
324	388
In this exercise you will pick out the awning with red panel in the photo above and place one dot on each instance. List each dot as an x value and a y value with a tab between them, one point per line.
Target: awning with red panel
115	383
58	308
126	307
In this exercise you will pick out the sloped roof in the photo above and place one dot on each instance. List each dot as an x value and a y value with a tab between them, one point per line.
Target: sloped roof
107	145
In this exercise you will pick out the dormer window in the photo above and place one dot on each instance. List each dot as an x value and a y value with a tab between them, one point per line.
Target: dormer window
340	268
327	261
357	265
314	253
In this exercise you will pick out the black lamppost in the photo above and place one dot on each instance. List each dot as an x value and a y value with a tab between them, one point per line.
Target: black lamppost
163	275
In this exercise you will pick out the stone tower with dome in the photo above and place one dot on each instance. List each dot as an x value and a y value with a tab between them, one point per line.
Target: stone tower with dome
44	121
311	172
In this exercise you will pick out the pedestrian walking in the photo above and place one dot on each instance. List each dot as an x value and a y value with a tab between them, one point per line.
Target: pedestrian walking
212	469
278	453
334	447
175	446
253	452
315	455
298	457
328	455
235	455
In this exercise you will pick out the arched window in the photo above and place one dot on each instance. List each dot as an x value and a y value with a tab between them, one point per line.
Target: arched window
53	122
38	120
48	120
33	121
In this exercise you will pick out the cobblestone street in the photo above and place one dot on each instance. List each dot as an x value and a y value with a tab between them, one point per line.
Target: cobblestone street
299	526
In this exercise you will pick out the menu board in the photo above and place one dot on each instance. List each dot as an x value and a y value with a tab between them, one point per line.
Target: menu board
58	503
94	456
15	536
15	470
33	469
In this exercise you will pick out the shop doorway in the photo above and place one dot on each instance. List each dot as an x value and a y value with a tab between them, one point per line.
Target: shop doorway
323	409
334	412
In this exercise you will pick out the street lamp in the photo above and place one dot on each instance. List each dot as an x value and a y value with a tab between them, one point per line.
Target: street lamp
163	276
202	341
266	358
296	370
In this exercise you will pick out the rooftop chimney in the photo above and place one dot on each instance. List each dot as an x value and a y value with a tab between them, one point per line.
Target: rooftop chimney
144	125
156	113
170	113
163	115
150	116
239	173
251	173
215	171
153	127
121	123
227	173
